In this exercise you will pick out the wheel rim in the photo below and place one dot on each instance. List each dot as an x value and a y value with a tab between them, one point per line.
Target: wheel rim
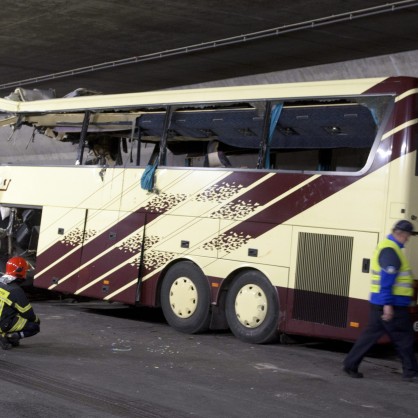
251	306
183	297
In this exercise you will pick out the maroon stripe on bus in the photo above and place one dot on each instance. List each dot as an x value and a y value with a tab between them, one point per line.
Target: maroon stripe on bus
112	282
276	185
58	271
393	85
293	204
67	286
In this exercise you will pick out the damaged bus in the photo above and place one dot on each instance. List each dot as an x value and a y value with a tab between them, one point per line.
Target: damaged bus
253	208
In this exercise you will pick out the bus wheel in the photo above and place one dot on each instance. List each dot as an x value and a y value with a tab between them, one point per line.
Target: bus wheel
252	308
185	298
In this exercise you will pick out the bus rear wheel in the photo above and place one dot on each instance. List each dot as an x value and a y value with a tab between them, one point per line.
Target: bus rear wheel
252	308
185	298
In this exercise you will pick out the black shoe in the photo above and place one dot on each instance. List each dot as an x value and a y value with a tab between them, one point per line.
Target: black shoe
353	373
13	339
4	343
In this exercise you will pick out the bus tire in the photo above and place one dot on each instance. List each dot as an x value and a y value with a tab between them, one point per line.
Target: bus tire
252	308
185	298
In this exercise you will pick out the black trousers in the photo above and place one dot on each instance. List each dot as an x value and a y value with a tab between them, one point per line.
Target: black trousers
400	332
30	329
27	330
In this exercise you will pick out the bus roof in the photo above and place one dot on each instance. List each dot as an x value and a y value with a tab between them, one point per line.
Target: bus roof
200	95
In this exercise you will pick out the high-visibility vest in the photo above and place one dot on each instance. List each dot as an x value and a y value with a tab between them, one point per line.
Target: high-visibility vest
403	285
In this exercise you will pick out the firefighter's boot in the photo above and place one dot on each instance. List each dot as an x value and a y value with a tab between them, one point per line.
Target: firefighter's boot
13	338
4	343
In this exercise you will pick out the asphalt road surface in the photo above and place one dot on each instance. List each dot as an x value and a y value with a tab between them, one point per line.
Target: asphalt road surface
94	359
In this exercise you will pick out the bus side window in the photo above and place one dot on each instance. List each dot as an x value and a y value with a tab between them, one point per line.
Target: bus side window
214	136
103	150
323	136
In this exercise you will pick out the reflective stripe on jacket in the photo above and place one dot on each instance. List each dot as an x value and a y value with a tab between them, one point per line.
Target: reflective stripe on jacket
404	282
14	306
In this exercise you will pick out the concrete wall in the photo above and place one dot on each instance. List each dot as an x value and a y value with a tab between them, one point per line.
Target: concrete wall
401	64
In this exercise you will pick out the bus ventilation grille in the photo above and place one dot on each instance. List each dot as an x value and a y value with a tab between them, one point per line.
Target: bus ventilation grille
323	279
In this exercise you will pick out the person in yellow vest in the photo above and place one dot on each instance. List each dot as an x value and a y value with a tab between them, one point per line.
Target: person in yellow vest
392	290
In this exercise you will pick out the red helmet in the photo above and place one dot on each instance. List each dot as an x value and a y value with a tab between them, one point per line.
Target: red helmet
17	267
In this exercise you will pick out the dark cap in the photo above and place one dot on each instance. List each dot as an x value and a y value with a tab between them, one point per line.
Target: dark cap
404	226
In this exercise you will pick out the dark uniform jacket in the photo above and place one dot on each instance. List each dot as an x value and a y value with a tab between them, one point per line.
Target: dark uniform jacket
13	302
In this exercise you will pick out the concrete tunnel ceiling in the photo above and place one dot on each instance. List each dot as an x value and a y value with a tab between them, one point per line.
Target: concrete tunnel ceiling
118	47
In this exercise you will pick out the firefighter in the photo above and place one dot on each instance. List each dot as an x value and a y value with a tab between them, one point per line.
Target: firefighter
17	318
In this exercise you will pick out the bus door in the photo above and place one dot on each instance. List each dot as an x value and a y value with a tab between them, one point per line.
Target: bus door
60	246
